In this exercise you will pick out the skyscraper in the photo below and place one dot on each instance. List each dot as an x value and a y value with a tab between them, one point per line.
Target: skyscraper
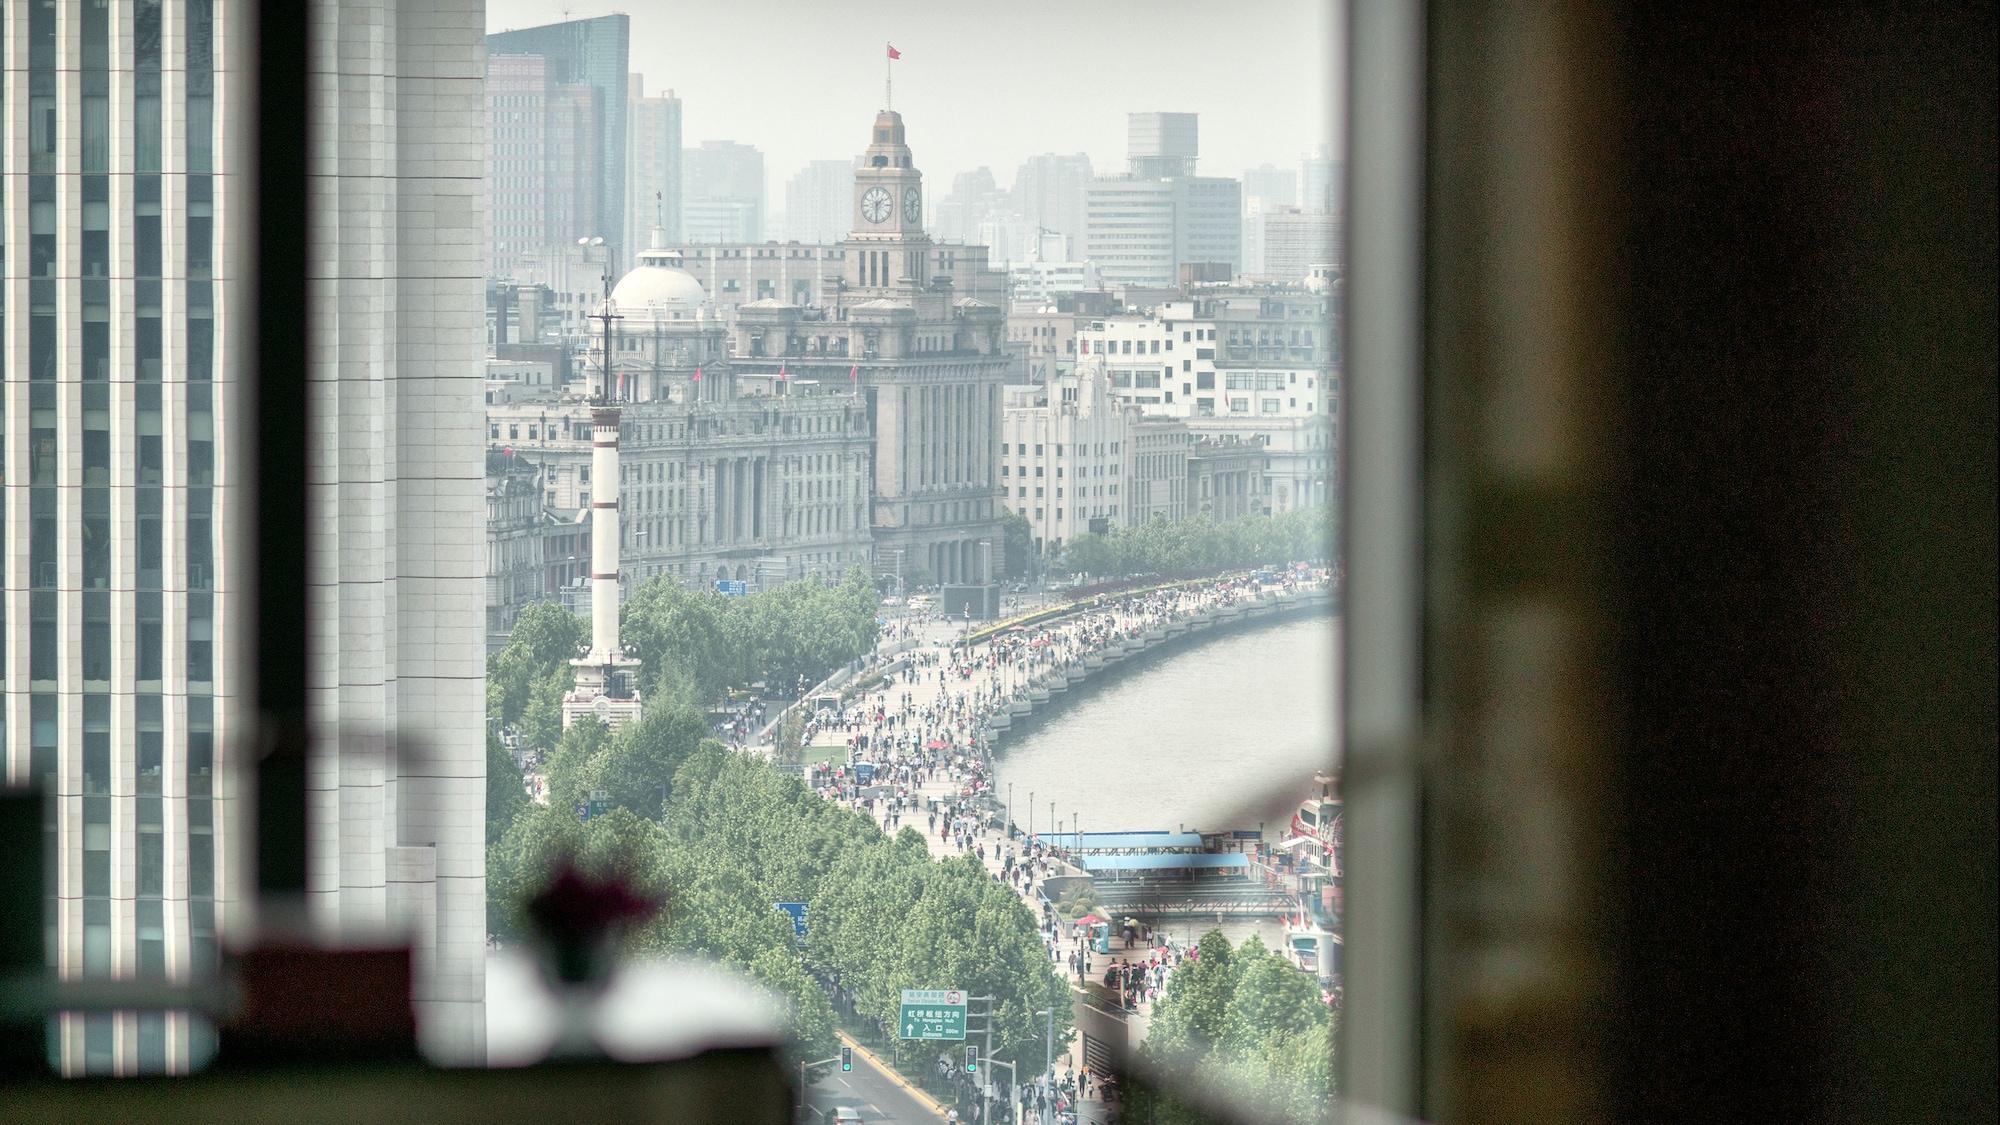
816	201
590	52
1159	145
654	157
541	166
974	198
1319	180
1266	188
122	689
1141	227
722	192
1049	190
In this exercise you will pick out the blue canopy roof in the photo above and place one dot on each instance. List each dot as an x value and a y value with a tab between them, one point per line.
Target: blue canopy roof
1198	861
1120	841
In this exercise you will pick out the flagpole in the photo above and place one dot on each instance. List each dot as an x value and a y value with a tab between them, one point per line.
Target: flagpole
888	77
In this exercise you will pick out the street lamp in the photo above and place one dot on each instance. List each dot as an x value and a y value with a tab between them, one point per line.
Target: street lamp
1049	1065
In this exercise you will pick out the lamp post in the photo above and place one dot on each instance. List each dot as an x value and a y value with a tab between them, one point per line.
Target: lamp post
1049	1063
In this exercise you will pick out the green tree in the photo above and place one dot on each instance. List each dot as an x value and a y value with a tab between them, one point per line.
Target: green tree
1271	998
1018	544
541	723
506	792
637	765
545	638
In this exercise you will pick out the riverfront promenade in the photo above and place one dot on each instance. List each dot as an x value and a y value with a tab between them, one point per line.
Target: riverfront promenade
922	729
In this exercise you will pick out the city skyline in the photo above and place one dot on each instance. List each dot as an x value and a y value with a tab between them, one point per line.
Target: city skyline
986	98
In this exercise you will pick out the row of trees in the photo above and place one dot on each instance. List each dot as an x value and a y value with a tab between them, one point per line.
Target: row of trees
1252	1024
722	837
1201	545
694	645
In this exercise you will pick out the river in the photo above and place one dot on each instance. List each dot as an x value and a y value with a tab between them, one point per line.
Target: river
1191	737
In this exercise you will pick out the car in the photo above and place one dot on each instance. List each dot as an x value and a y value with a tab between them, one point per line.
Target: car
843	1115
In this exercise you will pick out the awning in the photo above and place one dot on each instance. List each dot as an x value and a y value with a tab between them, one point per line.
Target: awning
1198	861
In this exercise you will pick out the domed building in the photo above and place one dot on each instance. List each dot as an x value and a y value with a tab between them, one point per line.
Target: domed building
668	345
717	481
658	287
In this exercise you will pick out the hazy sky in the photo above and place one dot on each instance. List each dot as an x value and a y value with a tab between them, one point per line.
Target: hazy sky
988	83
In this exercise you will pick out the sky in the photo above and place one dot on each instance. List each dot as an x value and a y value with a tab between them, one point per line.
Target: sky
981	84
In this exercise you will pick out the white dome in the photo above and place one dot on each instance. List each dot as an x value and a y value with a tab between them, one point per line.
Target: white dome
658	287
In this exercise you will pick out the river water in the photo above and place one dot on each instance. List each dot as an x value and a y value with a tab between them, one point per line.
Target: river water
1196	736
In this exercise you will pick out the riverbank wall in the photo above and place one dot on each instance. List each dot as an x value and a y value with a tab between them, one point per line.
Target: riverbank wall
1050	691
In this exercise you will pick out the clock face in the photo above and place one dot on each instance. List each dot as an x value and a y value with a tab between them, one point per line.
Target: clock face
913	206
875	204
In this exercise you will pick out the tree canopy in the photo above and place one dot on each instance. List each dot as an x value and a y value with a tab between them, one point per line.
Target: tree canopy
1254	1021
696	643
1201	545
724	837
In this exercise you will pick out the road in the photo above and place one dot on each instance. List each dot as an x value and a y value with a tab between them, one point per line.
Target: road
868	1089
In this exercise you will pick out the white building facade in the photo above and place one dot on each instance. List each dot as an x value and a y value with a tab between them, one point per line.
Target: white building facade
1064	456
1140	231
121	687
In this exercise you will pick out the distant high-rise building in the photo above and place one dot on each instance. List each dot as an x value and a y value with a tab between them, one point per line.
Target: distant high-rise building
1141	227
816	202
542	137
1295	240
1277	187
975	198
1266	188
1140	231
1159	145
720	220
653	158
589	52
1319	180
722	192
1049	191
123	688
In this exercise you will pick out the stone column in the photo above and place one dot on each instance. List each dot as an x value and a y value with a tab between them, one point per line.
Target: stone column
720	471
742	486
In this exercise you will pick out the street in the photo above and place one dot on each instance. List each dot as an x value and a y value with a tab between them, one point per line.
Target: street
867	1088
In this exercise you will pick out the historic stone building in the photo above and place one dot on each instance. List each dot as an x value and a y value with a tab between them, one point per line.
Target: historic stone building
928	363
721	479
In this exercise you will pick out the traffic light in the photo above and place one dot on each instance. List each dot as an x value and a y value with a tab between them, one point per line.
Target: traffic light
971	1059
847	1058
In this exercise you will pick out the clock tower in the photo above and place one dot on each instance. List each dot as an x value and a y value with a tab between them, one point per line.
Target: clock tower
888	251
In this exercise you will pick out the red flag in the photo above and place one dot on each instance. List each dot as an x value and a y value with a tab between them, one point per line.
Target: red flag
697	374
894	53
854	373
781	371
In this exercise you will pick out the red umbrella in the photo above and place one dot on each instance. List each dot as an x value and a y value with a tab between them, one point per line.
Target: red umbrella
1089	920
935	744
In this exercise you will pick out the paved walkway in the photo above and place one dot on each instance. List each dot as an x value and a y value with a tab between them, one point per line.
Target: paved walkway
920	731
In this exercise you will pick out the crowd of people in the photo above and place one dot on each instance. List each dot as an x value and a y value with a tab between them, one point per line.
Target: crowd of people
913	757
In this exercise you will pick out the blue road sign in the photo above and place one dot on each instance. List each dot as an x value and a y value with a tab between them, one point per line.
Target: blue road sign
732	588
798	912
